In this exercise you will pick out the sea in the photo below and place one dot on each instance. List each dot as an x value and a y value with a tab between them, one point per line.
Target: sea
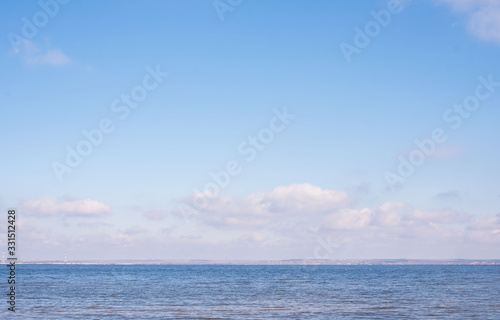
254	292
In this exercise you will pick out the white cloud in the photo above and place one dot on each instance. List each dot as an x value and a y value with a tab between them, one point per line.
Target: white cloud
303	198
348	219
304	210
295	218
483	17
445	216
33	55
296	198
389	214
297	201
50	206
54	57
486	223
286	222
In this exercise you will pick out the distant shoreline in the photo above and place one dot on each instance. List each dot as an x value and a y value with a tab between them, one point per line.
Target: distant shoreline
298	262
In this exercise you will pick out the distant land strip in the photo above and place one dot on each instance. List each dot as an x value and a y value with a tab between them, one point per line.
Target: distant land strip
291	262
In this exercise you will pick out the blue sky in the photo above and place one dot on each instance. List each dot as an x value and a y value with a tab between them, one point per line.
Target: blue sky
322	177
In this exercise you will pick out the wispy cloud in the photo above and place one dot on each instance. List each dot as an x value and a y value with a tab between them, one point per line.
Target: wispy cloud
451	194
132	231
33	55
51	206
286	221
262	208
486	223
483	17
94	224
306	209
156	214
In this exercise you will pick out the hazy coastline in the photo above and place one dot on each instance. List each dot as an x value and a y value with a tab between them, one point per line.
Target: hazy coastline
343	262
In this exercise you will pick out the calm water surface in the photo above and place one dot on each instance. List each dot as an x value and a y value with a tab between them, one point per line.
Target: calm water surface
256	292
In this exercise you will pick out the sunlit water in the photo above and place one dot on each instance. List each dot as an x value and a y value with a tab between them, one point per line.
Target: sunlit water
255	292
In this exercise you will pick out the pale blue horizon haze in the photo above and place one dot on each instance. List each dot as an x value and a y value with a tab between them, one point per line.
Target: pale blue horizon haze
318	189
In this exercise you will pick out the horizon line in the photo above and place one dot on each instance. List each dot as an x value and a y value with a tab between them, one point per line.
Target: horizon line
398	261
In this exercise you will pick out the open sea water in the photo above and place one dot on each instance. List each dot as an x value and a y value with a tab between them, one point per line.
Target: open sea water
254	292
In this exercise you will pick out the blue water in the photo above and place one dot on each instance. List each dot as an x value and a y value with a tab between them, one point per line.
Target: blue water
255	292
